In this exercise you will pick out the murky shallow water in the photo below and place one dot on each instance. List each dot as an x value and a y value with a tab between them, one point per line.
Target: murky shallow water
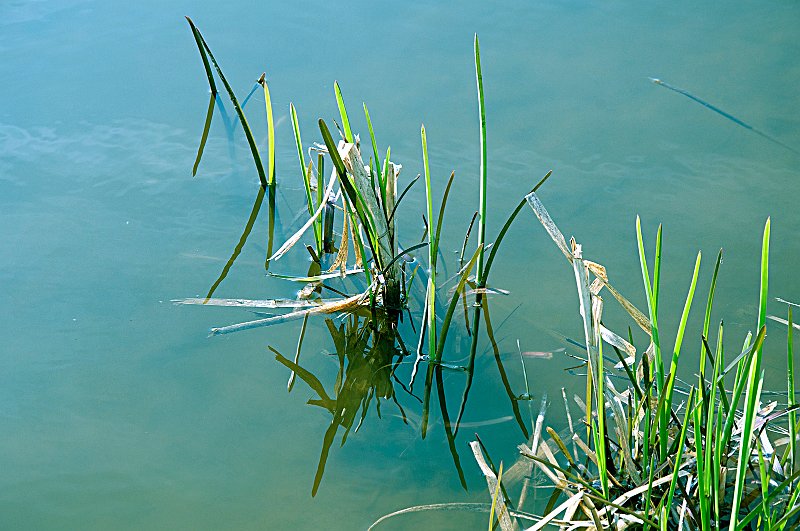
118	412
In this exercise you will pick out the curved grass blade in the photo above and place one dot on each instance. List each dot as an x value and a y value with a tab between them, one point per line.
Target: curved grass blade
198	39
247	132
506	226
479	299
402	195
455	506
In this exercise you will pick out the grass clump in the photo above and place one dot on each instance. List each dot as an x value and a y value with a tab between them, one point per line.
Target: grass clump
368	271
657	453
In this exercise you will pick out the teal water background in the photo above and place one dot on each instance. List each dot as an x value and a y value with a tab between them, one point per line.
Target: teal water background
116	410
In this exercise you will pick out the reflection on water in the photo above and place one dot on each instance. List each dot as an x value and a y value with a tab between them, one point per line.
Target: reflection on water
367	360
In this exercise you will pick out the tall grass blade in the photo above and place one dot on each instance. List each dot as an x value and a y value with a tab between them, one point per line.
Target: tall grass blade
483	170
270	131
679	339
306	173
709	304
755	378
433	249
790	390
247	132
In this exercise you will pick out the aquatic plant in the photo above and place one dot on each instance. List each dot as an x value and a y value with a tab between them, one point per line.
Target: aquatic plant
647	460
363	192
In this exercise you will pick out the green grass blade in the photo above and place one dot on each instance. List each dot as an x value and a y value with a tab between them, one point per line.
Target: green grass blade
790	390
681	330
319	222
348	134
270	132
440	216
199	40
299	143
247	132
652	306
755	379
702	471
681	446
451	307
204	137
738	388
381	175
707	318
432	252
350	190
483	174
506	226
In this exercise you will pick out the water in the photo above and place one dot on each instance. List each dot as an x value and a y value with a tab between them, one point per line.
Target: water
117	411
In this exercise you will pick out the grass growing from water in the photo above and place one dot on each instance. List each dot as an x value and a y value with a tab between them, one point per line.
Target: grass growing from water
653	454
711	460
370	271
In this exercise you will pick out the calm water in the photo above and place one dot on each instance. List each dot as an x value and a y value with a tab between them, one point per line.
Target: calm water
116	410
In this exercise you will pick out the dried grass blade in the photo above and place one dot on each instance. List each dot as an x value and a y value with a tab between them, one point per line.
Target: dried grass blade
493	485
571	502
251	303
548	224
348	304
297	235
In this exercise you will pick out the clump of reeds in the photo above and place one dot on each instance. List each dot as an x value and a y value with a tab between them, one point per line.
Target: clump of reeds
362	192
647	461
641	458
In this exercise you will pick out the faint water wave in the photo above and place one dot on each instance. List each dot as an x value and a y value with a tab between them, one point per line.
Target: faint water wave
123	154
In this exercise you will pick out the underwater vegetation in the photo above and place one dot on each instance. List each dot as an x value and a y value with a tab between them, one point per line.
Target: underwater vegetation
645	451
